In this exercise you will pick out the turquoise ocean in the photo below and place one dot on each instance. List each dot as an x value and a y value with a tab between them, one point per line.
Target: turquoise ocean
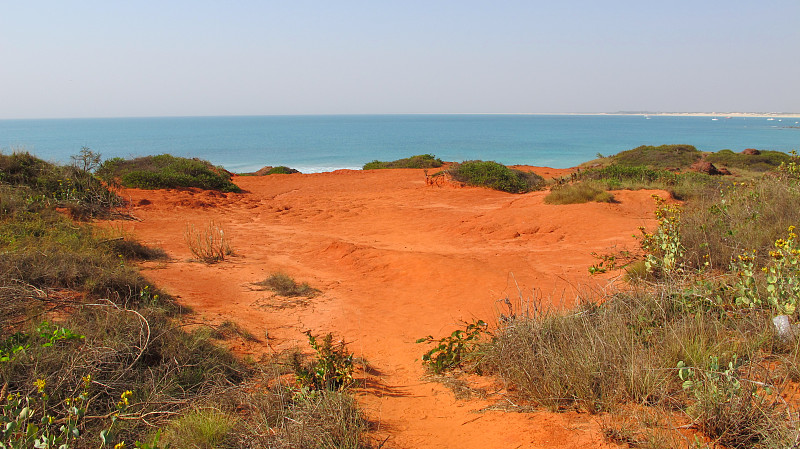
324	143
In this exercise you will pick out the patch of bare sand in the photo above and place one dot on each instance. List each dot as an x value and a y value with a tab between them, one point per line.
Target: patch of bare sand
396	260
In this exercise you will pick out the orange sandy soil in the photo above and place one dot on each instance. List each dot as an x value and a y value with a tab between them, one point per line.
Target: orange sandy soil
396	260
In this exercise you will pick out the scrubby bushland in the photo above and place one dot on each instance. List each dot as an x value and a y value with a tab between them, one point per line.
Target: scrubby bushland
418	161
166	171
69	186
680	185
739	218
577	193
90	353
696	337
495	176
663	157
761	162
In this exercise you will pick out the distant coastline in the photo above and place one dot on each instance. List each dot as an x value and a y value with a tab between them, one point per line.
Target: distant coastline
715	114
638	113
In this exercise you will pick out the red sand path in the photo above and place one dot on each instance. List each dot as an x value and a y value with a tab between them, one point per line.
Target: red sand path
396	260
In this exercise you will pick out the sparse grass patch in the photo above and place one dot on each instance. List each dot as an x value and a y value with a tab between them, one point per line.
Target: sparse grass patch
495	176
209	244
418	161
284	285
166	171
577	193
207	428
230	329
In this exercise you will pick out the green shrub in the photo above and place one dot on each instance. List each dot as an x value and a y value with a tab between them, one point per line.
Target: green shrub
453	350
576	194
734	411
495	176
331	369
418	161
71	187
166	171
767	160
673	157
282	170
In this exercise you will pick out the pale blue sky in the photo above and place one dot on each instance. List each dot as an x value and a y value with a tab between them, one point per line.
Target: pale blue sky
146	58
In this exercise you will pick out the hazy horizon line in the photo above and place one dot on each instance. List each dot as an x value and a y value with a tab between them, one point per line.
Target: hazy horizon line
643	113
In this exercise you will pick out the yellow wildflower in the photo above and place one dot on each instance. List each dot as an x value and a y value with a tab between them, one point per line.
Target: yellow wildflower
40	384
124	396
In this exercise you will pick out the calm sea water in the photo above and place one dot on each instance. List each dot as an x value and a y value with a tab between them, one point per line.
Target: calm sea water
322	143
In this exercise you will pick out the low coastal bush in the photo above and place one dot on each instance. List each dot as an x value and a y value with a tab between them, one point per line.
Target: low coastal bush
576	194
418	161
760	162
69	186
495	176
166	171
282	170
663	157
681	185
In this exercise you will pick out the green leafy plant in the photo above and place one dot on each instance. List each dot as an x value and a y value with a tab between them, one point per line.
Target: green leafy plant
45	336
781	277
733	410
611	261
332	366
663	246
452	351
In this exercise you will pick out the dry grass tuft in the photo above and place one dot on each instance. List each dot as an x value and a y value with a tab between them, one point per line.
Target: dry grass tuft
209	244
